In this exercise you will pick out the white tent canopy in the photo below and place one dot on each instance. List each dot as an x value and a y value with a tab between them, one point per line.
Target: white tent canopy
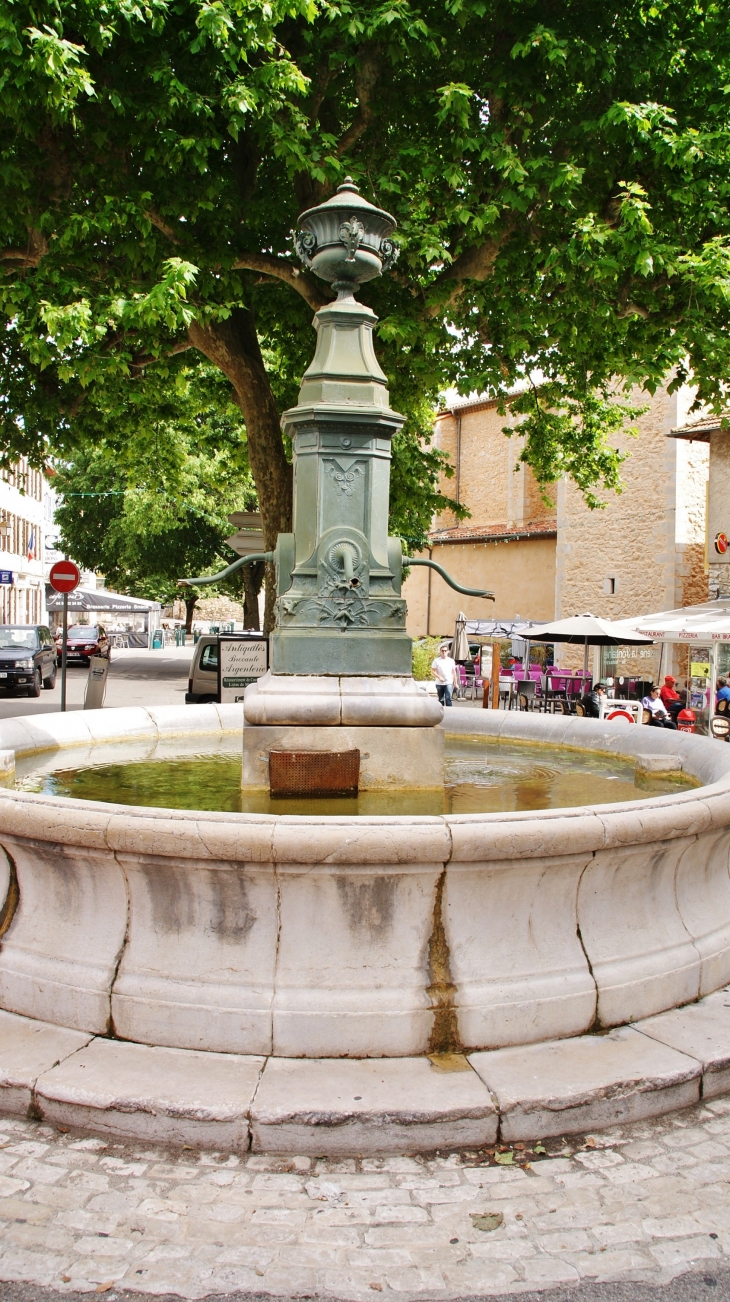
705	624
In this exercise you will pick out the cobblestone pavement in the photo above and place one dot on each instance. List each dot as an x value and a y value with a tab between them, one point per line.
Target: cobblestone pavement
641	1203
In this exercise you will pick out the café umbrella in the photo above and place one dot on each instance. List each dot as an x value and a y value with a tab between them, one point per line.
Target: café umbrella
588	630
460	648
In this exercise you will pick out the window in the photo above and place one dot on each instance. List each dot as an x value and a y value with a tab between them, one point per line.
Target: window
609	587
209	658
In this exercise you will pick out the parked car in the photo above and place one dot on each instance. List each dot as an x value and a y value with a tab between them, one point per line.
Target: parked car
83	642
27	658
203	680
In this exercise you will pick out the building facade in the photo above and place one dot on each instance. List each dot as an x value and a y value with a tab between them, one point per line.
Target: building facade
644	551
22	541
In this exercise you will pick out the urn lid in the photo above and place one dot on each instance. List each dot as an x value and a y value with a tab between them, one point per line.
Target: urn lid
347	198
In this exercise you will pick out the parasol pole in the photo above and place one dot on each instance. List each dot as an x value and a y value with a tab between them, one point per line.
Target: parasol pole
494	686
585	660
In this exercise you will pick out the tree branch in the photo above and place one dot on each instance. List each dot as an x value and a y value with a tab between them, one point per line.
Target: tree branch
366	78
162	225
31	255
269	265
476	263
142	360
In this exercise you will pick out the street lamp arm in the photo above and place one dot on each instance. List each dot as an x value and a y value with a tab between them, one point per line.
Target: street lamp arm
230	569
468	592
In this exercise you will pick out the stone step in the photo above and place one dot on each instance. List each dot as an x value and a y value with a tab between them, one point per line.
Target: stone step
346	1107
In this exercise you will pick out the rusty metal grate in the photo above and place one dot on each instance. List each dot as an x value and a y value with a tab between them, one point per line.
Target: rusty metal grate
314	772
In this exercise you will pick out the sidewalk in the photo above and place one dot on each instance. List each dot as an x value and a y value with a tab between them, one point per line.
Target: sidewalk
640	1203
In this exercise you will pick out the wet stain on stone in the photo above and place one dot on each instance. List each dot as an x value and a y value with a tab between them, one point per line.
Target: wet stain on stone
441	990
222	906
368	904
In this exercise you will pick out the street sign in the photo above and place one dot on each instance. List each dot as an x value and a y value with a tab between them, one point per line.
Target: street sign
64	576
241	660
7	577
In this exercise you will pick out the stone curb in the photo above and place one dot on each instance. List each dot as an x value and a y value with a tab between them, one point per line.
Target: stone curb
350	1107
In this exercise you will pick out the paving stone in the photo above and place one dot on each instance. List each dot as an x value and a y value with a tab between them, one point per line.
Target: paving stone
702	1031
358	1106
175	1095
568	1087
27	1050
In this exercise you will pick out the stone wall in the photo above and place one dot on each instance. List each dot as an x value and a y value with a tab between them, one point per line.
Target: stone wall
643	551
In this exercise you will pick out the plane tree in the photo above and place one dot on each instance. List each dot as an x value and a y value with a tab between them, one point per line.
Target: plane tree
560	175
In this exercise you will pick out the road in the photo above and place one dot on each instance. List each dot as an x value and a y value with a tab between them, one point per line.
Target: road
136	677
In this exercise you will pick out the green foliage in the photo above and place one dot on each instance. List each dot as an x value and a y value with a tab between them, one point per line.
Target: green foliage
425	651
145	499
569	435
561	181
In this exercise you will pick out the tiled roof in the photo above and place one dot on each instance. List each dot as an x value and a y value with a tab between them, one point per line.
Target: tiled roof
494	532
699	431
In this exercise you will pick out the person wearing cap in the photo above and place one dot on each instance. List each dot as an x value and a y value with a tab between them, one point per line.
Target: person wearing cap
667	692
443	669
658	713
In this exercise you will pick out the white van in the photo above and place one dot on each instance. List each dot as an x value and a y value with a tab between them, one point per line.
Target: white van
204	680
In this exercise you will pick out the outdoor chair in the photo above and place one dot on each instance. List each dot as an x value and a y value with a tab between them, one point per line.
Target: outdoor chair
525	689
470	679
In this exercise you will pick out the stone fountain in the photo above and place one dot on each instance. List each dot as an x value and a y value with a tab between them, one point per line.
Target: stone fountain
344	984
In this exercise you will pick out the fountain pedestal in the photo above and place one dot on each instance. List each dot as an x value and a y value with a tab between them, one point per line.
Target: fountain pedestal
340	654
389	720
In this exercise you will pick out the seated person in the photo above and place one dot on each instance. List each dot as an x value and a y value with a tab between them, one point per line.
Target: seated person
591	702
670	698
658	714
723	692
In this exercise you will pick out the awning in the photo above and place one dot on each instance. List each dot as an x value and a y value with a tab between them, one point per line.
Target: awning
98	599
705	624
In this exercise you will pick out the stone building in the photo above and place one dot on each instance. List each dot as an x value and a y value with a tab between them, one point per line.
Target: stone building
644	551
715	432
23	522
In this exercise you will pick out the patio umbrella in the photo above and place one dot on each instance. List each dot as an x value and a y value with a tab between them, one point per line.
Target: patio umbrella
588	630
460	648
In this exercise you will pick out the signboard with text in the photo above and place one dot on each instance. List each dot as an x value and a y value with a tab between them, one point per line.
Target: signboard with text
241	660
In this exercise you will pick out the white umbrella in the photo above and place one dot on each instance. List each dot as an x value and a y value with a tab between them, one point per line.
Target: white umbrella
588	630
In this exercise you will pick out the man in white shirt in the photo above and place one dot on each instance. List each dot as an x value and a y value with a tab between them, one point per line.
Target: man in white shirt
443	670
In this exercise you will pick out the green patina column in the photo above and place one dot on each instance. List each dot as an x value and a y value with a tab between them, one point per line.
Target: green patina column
339	607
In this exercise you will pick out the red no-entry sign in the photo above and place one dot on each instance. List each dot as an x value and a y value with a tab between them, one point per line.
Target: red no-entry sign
64	576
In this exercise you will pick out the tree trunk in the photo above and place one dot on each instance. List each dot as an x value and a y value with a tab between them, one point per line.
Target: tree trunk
190	604
233	346
253	577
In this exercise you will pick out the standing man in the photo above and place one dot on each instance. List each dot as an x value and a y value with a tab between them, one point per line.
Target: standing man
443	670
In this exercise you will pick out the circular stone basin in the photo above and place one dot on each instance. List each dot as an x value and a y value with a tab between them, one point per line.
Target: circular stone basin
270	940
331	935
482	775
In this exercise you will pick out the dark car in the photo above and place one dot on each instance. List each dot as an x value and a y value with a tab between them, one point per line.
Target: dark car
83	642
27	658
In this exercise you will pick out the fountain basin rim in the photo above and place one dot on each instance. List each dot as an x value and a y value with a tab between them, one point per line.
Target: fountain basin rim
445	837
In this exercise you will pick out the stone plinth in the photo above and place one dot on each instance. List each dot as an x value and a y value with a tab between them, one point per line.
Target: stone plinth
328	701
389	757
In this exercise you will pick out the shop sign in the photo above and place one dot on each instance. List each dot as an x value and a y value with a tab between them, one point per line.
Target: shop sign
7	577
241	660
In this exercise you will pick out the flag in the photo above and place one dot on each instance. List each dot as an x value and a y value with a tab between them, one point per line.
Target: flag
31	545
